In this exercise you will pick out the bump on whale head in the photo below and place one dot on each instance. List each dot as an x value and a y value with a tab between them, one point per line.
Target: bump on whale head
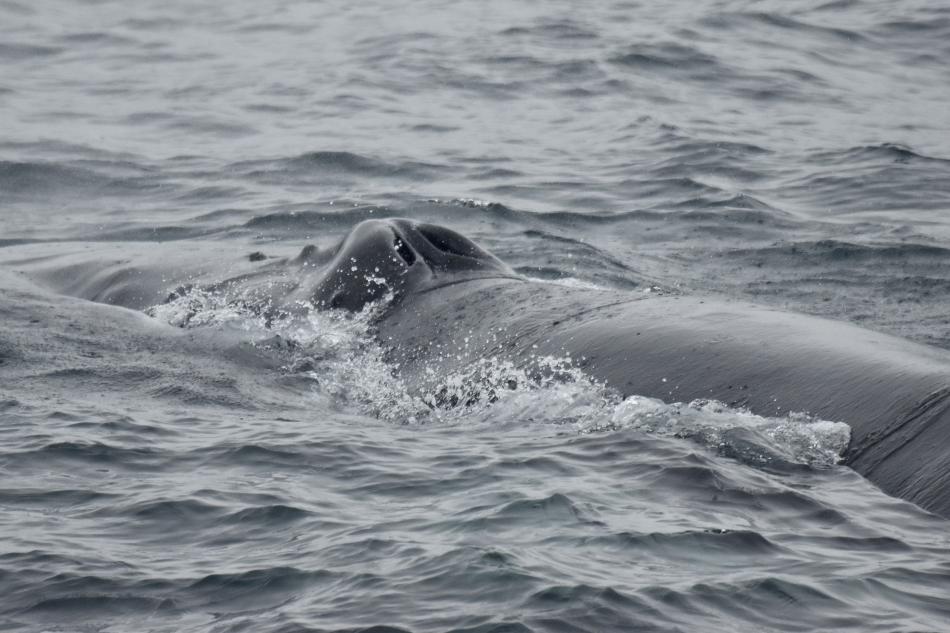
401	256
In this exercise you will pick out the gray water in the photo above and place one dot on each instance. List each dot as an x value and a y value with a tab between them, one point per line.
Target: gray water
193	466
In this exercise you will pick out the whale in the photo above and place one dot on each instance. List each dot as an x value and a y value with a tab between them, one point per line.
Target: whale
455	303
444	303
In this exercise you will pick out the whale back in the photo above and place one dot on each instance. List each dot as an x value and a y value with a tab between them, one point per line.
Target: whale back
894	394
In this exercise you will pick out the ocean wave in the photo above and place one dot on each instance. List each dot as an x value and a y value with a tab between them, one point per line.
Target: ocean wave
268	517
697	544
739	201
940	25
87	452
316	166
826	251
89	604
340	215
336	219
23	52
44	498
43	180
881	152
748	20
97	38
565	29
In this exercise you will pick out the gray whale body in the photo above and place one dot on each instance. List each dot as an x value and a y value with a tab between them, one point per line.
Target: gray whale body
456	303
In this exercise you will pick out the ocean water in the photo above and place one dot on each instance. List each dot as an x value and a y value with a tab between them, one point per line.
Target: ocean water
191	464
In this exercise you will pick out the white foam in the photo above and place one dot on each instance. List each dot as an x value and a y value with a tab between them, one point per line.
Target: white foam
349	369
570	282
797	437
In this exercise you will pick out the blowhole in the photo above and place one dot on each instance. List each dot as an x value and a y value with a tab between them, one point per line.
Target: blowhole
404	251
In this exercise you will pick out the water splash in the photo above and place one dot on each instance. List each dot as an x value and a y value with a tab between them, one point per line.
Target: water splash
191	307
756	440
338	352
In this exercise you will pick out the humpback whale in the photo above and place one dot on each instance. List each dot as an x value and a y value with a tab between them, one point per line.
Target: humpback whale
455	303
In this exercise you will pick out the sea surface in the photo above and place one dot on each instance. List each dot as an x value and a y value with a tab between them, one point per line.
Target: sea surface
191	465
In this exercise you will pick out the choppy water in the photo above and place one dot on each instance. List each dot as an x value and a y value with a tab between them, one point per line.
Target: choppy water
205	469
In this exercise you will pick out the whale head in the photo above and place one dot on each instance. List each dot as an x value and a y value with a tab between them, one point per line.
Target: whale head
400	256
